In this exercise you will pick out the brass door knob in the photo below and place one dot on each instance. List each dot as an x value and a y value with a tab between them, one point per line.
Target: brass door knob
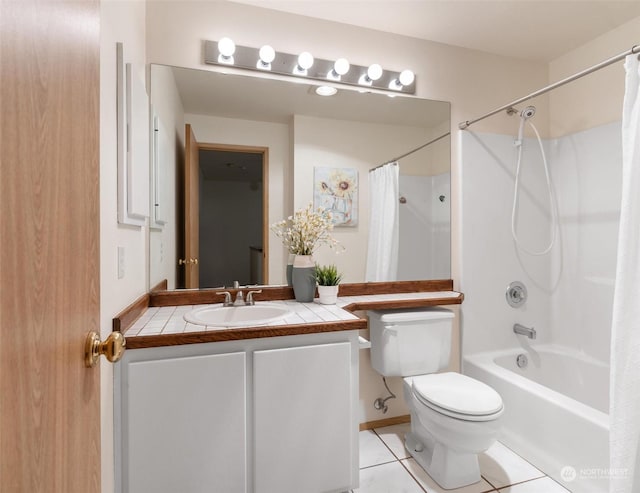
188	262
113	348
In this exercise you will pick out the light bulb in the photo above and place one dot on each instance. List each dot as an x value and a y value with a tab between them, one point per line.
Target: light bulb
341	66
267	54
374	72
305	60
407	77
226	47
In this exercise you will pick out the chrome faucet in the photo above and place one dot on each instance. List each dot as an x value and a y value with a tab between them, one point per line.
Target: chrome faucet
530	332
240	301
250	301
227	298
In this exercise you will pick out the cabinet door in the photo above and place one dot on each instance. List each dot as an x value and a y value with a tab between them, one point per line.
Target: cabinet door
303	419
185	425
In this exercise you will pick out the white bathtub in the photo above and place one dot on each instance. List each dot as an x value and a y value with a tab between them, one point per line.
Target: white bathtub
555	411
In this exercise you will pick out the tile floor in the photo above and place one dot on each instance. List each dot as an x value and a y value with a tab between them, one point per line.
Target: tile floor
386	467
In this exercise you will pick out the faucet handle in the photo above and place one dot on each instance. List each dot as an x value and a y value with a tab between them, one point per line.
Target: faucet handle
249	300
227	297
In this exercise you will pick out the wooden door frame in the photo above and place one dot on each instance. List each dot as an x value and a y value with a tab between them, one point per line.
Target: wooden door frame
264	151
191	209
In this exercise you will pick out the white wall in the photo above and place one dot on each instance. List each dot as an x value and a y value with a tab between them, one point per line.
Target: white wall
168	107
435	159
120	22
275	136
324	142
595	99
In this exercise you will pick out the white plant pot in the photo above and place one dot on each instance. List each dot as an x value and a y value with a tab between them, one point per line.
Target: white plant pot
328	295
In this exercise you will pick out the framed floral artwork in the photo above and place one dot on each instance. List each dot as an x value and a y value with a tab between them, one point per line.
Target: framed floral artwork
336	190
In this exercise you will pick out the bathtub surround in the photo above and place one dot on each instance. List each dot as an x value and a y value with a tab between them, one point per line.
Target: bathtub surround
625	340
489	258
586	172
424	250
570	290
382	254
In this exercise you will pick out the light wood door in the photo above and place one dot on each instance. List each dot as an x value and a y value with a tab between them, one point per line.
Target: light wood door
49	245
192	209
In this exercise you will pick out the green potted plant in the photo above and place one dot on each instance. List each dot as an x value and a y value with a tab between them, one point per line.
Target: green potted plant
328	279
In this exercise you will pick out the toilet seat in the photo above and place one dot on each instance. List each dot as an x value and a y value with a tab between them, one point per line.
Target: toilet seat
457	396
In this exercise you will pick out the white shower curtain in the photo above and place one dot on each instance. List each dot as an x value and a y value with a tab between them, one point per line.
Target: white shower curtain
384	196
625	334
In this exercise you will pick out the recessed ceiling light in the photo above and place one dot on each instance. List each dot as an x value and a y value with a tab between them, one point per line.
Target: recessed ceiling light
326	90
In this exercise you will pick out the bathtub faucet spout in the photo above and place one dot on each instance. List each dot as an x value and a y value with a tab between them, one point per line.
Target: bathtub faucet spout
530	332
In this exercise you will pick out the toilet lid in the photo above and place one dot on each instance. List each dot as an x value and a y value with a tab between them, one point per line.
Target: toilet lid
458	394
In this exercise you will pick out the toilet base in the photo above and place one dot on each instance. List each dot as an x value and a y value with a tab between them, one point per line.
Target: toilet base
448	468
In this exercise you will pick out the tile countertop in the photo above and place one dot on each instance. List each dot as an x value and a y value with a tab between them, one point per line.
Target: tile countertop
159	326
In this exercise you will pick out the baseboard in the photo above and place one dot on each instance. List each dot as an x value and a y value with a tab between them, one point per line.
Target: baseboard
379	423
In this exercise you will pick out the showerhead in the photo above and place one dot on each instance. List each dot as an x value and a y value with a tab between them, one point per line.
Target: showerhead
525	114
528	112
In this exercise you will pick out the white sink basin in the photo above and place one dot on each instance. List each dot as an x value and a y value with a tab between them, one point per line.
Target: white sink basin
237	316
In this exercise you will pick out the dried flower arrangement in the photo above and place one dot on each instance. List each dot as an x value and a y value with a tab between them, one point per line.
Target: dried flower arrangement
307	229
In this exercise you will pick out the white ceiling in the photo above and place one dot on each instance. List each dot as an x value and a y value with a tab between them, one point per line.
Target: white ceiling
540	30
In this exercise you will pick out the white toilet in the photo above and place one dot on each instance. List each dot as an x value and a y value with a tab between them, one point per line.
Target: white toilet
453	417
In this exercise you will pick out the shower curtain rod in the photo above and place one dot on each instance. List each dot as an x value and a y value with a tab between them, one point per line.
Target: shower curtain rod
635	49
411	151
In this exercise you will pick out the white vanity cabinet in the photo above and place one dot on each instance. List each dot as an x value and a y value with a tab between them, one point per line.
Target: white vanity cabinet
303	419
271	415
186	424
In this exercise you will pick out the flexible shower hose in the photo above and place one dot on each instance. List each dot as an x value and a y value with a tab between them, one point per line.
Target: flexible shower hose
552	205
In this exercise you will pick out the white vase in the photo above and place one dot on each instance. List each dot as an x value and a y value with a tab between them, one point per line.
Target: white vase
328	295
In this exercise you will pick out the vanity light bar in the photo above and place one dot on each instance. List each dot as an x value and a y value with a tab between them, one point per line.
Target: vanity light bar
248	58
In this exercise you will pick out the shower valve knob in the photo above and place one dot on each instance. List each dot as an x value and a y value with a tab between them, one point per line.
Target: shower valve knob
516	294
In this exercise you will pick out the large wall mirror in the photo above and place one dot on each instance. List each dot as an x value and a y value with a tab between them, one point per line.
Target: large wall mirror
253	153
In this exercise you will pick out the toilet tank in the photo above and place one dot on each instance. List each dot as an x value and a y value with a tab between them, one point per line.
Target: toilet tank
410	342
